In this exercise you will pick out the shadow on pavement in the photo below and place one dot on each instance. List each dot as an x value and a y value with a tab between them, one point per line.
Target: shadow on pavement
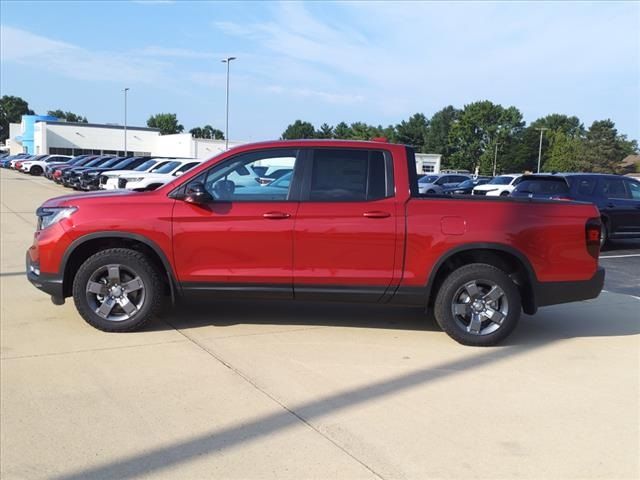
549	324
217	441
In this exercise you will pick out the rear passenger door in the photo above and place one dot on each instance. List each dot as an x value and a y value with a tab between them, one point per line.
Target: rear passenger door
345	231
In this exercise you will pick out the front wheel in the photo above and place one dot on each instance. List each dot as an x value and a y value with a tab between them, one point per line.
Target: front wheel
478	305
117	290
504	194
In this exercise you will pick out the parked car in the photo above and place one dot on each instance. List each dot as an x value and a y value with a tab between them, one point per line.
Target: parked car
58	170
17	163
361	229
500	186
617	198
71	177
466	187
152	180
90	178
436	183
37	166
109	179
6	161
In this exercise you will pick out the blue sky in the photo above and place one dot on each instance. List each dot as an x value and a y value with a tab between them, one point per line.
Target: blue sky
323	62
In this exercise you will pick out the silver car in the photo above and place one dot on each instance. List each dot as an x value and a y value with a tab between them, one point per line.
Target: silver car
436	183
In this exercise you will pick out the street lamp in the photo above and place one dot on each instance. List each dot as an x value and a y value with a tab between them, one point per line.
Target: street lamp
540	147
226	133
125	120
495	159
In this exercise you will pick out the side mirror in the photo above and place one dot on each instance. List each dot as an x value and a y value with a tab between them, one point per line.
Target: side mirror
196	193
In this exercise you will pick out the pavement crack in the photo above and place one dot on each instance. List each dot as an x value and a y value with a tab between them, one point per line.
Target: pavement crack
274	399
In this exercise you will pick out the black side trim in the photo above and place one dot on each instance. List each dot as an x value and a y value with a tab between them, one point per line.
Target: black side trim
553	293
409	296
173	284
237	290
338	293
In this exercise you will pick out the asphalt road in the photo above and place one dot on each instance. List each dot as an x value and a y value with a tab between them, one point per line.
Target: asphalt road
621	259
283	390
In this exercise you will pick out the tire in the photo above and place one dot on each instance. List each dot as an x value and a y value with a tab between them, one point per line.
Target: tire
504	194
36	170
472	325
431	192
129	296
604	235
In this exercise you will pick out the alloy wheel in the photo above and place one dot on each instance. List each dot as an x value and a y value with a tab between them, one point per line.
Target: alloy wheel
480	307
115	292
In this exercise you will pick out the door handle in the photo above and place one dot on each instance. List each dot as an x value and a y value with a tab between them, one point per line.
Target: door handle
376	214
276	215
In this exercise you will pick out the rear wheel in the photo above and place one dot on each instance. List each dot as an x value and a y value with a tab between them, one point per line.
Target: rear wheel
117	290
604	234
504	194
478	305
36	170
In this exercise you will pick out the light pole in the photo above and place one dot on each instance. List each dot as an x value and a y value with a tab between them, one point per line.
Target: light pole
226	133
495	159
540	147
125	120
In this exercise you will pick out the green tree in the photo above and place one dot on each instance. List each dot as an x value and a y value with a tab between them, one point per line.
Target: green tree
413	131
68	116
436	139
342	131
605	148
299	129
166	122
565	154
474	136
11	111
325	131
196	132
361	131
212	133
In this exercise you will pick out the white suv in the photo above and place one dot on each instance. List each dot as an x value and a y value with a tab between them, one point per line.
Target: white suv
141	181
500	186
109	178
37	166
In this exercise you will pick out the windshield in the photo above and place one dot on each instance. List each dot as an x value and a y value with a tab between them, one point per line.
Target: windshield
145	166
428	179
283	182
111	162
467	184
123	162
95	162
166	168
501	181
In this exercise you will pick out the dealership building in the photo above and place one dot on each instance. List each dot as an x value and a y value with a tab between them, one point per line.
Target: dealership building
42	134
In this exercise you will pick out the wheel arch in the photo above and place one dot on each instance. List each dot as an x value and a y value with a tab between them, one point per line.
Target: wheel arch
85	246
505	257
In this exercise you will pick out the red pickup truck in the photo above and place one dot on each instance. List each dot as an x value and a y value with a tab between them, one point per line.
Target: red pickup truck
343	221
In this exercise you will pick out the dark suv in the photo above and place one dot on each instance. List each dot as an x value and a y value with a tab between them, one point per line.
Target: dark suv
617	198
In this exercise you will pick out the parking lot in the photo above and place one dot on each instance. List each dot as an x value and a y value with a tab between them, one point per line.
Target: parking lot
297	390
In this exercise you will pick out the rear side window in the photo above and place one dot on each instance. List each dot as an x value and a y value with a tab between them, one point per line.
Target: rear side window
544	187
344	175
613	188
586	186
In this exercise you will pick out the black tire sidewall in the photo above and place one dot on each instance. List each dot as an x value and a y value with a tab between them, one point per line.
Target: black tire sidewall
133	260
36	170
477	271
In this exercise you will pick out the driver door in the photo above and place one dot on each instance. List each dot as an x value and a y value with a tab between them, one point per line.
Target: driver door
242	241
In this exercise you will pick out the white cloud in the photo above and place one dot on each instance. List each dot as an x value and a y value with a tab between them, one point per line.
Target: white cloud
26	48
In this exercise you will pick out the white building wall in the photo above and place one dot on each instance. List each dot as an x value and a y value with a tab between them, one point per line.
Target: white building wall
15	130
94	137
428	163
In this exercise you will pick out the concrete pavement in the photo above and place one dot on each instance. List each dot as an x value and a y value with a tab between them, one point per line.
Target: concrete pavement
288	390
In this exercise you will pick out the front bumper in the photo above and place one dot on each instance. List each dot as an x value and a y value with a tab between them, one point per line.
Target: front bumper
553	293
89	184
48	283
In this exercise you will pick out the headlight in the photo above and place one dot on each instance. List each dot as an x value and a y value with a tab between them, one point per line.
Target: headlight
47	216
134	179
92	174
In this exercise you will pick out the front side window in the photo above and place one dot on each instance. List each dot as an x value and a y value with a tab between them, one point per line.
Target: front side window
239	178
184	168
501	181
349	175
